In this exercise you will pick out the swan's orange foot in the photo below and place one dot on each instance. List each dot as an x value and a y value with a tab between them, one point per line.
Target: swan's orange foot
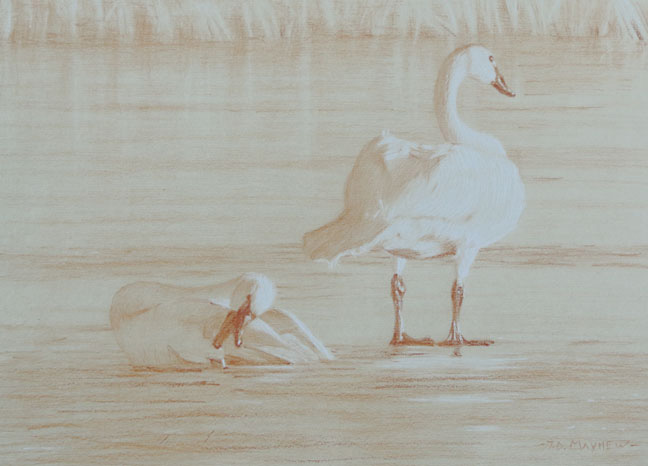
406	340
459	340
455	338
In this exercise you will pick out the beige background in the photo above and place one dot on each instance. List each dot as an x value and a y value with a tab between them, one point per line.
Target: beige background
191	164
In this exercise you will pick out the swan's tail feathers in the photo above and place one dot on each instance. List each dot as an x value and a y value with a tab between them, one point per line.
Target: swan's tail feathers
347	235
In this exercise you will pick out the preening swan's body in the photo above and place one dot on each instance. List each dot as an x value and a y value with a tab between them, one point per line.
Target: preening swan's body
166	326
418	202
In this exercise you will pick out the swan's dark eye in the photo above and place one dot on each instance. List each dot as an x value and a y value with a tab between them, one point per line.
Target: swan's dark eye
491	59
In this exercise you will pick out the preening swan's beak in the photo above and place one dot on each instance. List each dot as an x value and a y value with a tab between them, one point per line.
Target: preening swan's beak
242	315
238	332
234	324
500	84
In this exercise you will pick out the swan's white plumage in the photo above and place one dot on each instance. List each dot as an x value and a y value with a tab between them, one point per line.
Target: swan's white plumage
166	326
420	201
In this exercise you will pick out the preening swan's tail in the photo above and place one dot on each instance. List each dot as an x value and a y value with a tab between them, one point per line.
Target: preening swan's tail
345	236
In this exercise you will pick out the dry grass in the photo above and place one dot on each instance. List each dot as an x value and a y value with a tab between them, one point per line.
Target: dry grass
168	21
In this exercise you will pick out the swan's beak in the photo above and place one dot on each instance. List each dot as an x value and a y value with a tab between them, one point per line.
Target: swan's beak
234	323
500	84
238	337
238	332
243	316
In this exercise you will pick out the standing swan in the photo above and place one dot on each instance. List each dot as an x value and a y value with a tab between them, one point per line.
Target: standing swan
419	202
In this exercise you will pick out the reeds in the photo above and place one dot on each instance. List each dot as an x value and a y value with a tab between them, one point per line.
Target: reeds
167	21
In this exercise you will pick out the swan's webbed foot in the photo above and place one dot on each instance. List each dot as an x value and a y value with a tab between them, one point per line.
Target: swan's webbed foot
406	340
465	342
455	338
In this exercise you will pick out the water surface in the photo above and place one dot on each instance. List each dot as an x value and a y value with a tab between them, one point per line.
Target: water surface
190	165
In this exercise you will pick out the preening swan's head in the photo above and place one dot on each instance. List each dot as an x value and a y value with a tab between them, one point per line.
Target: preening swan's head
481	66
260	289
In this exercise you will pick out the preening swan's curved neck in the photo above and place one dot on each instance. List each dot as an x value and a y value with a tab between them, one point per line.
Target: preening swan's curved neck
452	73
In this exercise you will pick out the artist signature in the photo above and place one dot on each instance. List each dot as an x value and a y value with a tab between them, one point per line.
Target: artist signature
588	445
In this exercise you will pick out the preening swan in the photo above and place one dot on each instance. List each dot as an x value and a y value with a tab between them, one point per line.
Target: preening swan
418	202
166	326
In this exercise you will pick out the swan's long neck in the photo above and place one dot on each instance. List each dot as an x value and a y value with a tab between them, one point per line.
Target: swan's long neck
452	73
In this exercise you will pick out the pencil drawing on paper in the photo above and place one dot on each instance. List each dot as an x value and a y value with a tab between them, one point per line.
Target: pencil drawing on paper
187	279
419	202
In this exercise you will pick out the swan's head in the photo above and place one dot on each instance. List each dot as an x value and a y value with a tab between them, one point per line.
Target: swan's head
481	66
260	289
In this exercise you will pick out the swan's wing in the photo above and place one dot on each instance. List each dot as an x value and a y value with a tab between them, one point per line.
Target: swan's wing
195	351
275	337
190	326
289	326
198	321
262	345
462	186
380	172
392	148
381	169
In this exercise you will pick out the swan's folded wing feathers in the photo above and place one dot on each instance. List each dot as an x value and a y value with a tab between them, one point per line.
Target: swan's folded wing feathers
427	151
260	342
197	351
394	148
288	354
378	180
452	189
285	323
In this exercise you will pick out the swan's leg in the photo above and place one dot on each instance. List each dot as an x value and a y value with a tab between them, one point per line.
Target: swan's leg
465	258
397	292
